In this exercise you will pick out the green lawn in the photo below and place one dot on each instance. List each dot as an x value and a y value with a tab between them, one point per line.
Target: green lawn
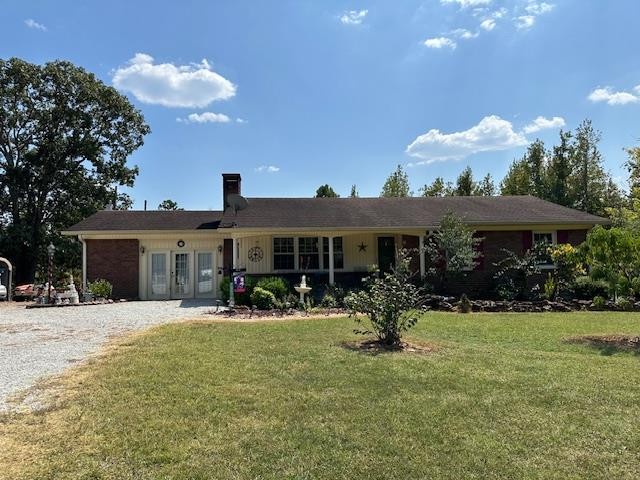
503	397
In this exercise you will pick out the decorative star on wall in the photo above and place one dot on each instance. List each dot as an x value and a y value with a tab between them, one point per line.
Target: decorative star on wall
362	247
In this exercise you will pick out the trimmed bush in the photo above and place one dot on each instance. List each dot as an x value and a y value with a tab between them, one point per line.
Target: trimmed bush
101	288
624	304
276	285
262	299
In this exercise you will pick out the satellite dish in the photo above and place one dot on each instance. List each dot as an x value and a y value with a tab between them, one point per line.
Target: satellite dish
237	202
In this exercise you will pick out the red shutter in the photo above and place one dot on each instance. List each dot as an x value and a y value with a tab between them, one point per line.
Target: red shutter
563	236
527	240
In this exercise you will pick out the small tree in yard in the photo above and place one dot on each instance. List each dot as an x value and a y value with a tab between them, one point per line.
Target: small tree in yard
452	249
513	272
391	303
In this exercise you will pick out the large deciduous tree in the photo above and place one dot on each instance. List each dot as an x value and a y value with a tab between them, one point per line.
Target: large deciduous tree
326	191
65	138
169	204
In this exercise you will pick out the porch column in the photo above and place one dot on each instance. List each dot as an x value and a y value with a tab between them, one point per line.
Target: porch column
234	265
423	267
331	273
84	263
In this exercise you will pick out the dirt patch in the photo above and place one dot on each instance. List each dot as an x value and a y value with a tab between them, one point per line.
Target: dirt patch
609	343
374	347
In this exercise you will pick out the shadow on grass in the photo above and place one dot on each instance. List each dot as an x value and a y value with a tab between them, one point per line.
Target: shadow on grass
609	344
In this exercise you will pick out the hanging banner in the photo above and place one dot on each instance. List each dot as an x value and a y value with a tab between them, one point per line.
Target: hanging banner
238	283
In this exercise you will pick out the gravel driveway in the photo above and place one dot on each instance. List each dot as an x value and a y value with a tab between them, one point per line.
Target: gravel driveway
39	342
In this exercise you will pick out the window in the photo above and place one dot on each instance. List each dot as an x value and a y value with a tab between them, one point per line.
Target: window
205	272
283	254
547	238
338	253
308	254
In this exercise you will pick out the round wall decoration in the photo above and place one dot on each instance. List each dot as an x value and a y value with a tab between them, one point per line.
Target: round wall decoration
181	243
255	254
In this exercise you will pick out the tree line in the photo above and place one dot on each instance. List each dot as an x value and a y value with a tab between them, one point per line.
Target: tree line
570	173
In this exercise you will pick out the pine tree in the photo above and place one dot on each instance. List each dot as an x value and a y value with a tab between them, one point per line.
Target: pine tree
486	187
465	185
517	181
397	184
559	171
536	158
436	189
354	192
588	181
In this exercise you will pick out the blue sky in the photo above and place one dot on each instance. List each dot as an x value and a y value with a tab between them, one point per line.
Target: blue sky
294	94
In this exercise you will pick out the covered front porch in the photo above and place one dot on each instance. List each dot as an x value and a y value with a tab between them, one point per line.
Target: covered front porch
329	254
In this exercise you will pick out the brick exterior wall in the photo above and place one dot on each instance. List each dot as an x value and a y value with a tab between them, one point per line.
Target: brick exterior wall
117	262
479	283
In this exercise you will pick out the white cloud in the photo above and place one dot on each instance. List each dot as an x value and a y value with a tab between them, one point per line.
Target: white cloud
607	94
267	169
535	8
194	85
467	3
205	117
464	33
488	24
497	14
525	21
240	120
491	134
542	123
353	17
440	42
31	23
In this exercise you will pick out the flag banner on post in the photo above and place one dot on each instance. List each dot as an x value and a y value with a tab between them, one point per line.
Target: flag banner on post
238	283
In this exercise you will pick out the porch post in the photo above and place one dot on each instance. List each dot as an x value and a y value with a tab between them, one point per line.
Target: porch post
423	267
84	263
331	273
234	265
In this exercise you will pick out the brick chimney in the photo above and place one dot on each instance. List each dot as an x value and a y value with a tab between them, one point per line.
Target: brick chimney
230	185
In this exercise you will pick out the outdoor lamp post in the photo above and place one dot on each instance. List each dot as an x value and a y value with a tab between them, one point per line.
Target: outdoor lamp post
50	250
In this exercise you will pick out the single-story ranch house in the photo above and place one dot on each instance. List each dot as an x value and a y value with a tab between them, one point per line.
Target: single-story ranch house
184	254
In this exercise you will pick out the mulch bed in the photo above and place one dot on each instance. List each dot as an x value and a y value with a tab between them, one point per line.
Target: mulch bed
374	347
616	342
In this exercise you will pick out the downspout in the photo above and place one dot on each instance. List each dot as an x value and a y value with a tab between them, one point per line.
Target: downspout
84	263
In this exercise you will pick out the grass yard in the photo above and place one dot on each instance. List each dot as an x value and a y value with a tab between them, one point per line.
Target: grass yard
502	397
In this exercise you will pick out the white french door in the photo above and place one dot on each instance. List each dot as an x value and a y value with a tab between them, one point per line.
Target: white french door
181	274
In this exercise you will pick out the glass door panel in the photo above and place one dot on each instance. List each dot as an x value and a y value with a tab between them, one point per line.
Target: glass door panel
205	272
181	275
159	283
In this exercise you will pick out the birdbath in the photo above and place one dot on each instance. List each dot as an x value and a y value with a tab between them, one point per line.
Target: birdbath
302	289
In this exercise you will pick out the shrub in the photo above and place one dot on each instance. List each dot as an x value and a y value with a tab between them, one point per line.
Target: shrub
101	288
262	299
599	303
465	304
328	301
514	271
585	288
240	298
550	288
624	304
276	285
390	302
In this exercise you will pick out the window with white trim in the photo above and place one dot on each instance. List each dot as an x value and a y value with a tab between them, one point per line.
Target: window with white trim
546	238
308	253
338	253
283	253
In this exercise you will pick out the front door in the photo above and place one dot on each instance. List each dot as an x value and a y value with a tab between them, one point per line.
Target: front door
181	275
159	275
386	253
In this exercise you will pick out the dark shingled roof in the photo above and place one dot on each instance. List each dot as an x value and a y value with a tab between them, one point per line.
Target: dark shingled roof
148	220
403	212
345	213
